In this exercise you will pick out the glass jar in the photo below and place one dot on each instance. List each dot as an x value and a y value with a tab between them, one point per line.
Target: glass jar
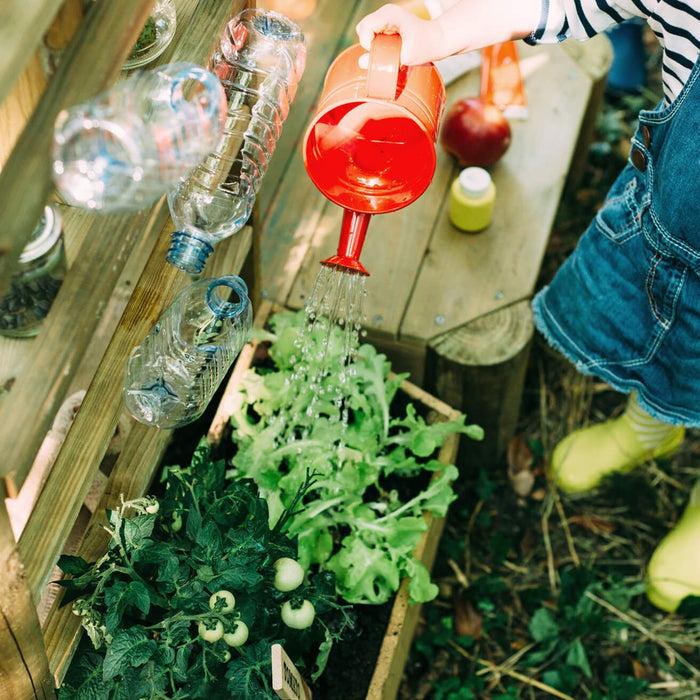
155	36
42	266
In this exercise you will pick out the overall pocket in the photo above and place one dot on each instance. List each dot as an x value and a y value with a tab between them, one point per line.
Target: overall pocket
619	219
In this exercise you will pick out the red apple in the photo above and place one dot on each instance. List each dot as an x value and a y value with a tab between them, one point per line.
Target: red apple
475	132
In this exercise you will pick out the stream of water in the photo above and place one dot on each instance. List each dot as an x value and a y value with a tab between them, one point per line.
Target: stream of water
333	316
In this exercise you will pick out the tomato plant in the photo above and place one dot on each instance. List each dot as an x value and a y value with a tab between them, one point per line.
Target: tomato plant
300	616
288	574
224	601
211	632
166	606
239	636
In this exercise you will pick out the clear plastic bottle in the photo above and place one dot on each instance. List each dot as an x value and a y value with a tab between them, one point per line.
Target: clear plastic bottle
42	266
171	377
260	60
156	34
472	200
127	146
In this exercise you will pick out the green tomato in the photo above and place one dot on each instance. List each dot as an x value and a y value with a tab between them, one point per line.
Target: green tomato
239	636
176	522
211	634
298	618
288	574
228	598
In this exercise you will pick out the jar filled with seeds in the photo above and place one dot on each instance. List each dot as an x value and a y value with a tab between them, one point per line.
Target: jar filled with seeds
34	286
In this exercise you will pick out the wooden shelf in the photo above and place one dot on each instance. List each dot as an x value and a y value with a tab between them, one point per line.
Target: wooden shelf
117	284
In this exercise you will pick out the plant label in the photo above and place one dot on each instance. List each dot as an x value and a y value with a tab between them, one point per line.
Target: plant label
286	680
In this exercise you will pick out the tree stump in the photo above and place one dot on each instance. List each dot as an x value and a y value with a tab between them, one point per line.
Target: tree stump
479	368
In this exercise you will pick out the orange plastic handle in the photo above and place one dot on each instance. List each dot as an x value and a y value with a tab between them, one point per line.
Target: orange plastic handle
384	61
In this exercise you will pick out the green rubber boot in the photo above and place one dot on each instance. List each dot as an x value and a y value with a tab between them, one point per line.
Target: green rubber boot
585	457
673	572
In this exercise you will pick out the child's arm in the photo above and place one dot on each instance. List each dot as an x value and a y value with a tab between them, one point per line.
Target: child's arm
466	26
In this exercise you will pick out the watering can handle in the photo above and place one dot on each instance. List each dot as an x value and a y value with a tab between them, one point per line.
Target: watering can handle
383	73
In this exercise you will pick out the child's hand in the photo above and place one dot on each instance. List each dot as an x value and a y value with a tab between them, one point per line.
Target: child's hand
420	39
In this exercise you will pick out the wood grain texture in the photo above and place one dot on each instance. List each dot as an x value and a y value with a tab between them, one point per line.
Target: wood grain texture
22	26
90	63
464	276
290	206
20	103
24	671
66	334
480	369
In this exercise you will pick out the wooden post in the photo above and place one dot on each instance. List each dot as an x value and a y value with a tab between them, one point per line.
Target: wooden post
479	368
24	667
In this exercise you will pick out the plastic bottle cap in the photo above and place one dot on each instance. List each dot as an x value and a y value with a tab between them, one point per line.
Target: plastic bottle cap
44	236
474	181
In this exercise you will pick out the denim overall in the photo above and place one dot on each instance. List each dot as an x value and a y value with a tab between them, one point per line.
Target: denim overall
625	306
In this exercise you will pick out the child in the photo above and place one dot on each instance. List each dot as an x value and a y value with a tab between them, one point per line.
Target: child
626	305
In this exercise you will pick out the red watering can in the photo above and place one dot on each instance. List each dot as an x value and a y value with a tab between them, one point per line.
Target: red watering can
370	147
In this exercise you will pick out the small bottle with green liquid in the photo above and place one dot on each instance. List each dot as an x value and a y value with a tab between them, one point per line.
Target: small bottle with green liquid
472	199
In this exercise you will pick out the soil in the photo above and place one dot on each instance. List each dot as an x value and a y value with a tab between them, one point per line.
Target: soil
351	663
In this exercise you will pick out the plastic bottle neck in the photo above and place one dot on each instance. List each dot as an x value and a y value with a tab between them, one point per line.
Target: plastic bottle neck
188	253
224	308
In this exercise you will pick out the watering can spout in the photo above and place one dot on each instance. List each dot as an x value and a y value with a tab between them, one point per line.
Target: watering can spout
352	238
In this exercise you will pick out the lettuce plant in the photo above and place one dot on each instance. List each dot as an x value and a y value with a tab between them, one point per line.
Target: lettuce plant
353	520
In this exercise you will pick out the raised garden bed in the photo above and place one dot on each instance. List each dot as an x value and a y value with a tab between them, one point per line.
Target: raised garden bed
382	635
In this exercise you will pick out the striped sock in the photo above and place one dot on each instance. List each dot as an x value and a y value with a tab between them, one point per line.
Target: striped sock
649	431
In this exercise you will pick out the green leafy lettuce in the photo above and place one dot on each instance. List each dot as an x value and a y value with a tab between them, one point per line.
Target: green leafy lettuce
353	521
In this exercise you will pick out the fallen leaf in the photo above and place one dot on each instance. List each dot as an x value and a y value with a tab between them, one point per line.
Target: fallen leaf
528	543
593	523
520	462
641	671
467	621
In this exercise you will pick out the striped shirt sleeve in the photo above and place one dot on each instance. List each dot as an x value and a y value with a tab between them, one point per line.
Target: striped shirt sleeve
579	19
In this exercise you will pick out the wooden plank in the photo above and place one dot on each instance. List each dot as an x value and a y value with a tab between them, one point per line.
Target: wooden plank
24	671
57	506
290	204
91	62
321	32
66	333
42	386
465	276
131	476
20	103
22	26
